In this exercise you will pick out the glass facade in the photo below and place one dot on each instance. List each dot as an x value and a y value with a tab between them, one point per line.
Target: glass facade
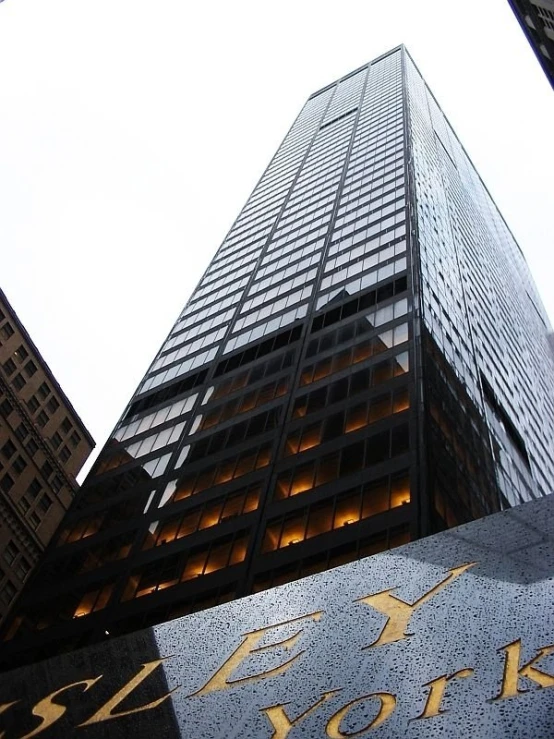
365	361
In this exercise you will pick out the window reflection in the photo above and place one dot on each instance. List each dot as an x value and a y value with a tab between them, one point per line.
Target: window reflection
174	410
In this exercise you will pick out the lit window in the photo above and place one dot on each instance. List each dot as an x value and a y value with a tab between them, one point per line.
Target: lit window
21	354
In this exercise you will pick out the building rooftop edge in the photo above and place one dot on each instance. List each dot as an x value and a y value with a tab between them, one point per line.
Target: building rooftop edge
355	71
46	367
402	47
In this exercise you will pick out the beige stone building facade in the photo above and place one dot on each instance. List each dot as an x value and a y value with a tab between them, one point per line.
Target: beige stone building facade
43	445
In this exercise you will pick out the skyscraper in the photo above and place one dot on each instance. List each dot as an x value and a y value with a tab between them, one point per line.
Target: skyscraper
364	361
536	18
43	445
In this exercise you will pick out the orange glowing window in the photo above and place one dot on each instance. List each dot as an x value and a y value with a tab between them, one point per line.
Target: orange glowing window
306	376
224	473
292	443
293	532
400	491
238	554
356	418
194	566
251	502
103	597
164	585
124	551
264	457
300	408
347	511
184	490
168	532
362	352
266	394
303	479
401	401
282	487
131	587
211	419
94	600
245	465
232	507
310	437
248	402
219	556
322	369
83	529
150	581
210	516
86	604
271	537
189	524
380	408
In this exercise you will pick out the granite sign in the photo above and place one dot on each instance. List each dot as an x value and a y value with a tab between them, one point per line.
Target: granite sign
451	636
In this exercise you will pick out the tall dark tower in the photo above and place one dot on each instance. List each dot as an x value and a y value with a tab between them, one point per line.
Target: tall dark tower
364	362
536	18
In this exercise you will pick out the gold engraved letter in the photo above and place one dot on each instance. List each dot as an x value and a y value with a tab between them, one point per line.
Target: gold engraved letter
107	711
399	612
436	693
221	679
512	670
281	722
387	704
4	707
49	711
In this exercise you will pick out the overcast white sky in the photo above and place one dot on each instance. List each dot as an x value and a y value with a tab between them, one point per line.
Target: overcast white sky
132	132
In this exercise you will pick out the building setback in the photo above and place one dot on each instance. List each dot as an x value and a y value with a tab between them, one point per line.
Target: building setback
364	362
43	445
536	18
